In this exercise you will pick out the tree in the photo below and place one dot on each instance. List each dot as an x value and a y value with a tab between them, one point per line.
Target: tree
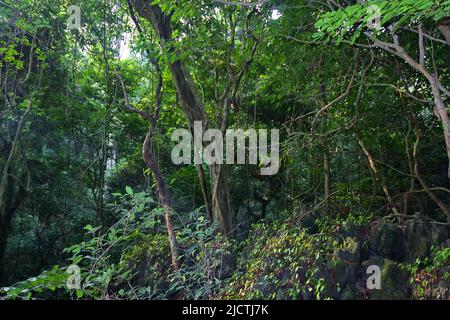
397	20
192	104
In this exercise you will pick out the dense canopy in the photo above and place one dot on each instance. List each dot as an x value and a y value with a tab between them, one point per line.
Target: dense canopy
209	149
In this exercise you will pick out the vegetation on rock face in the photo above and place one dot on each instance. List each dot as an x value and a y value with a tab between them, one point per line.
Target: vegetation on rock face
430	276
93	207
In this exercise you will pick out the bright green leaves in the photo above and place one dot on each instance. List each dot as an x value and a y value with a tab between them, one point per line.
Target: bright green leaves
178	9
129	190
353	20
90	229
49	280
11	55
79	293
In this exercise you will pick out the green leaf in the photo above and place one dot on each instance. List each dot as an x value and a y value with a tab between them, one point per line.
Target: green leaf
129	190
79	293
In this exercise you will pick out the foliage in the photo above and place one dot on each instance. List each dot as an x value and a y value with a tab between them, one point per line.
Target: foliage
279	262
130	260
430	276
359	143
207	258
100	257
44	285
354	19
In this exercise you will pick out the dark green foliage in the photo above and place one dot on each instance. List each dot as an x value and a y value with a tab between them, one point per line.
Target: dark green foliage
363	177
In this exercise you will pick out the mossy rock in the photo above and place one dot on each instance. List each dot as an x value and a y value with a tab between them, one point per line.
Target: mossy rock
350	250
387	240
345	268
349	293
421	236
394	280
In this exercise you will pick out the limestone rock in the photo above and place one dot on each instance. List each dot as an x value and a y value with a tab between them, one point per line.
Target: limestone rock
394	280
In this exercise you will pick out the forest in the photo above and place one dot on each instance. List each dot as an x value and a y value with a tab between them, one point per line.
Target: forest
224	150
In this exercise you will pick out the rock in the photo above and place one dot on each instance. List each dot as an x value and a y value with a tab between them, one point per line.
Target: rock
394	280
350	250
415	241
349	293
387	240
228	265
309	223
345	267
420	236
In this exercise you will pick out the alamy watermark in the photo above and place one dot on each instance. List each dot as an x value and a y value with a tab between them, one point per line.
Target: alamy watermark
374	17
74	20
74	279
374	280
208	147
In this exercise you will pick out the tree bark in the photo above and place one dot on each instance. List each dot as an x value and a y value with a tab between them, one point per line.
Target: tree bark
192	107
327	179
163	195
373	168
417	174
203	187
444	28
435	85
152	163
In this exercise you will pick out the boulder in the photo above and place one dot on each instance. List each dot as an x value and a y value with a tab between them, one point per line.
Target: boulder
387	240
345	267
394	280
420	236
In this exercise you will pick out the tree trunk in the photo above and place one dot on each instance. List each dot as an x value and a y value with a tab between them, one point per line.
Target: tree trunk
436	87
442	114
203	187
327	179
192	107
373	168
152	163
220	199
417	174
444	28
163	195
101	186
